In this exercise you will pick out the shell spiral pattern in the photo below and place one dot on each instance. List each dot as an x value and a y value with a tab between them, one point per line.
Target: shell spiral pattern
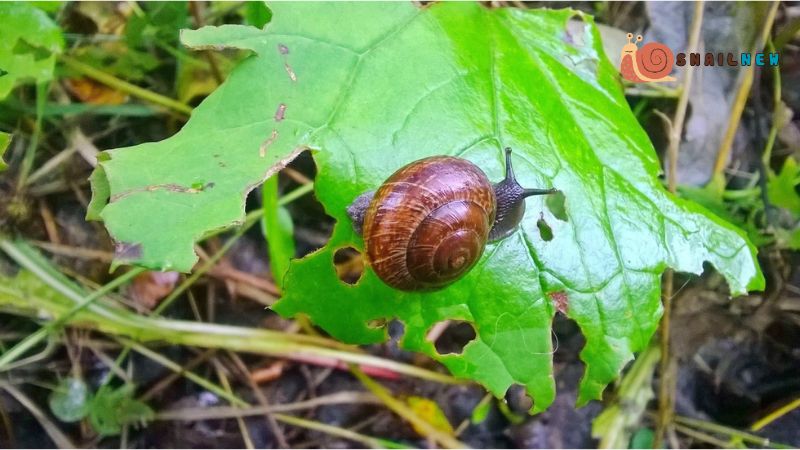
654	60
428	223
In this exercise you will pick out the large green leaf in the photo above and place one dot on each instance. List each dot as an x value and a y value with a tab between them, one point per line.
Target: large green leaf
29	42
371	87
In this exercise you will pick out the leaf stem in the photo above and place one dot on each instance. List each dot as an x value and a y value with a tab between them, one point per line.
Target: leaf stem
613	425
295	194
30	152
776	111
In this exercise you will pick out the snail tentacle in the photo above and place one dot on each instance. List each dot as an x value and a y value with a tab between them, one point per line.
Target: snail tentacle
511	202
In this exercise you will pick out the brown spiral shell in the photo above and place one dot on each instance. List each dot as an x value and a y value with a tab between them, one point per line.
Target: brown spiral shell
428	224
654	60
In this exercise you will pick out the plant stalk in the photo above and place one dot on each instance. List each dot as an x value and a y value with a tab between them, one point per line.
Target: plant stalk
124	86
724	150
666	385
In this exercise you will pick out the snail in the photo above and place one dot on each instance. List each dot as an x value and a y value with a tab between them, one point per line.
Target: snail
652	62
429	222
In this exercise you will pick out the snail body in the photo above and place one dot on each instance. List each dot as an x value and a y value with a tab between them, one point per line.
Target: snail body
652	62
427	225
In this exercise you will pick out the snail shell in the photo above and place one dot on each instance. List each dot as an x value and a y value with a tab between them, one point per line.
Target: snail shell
428	224
654	60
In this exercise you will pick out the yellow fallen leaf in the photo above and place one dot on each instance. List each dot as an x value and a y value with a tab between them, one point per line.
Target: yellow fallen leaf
93	92
429	411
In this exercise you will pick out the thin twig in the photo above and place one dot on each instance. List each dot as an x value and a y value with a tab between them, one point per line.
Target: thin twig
280	438
234	399
728	431
666	382
338	431
195	7
175	367
227	412
223	379
724	150
4	417
171	378
775	415
52	163
703	437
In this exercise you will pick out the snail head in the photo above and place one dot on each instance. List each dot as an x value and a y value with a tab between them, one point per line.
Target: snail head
630	48
511	202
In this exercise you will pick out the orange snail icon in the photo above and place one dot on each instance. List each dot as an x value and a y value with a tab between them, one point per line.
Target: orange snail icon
652	62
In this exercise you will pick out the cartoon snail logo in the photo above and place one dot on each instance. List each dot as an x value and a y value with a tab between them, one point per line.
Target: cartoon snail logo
652	62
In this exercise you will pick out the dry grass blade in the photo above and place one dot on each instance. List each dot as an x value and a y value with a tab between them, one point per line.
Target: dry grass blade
227	412
402	410
741	96
775	415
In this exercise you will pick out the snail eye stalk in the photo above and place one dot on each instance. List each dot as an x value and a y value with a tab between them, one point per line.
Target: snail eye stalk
512	180
511	202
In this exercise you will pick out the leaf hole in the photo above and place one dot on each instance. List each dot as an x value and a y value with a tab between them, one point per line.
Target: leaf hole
396	329
575	31
518	400
23	47
545	232
557	205
127	251
312	226
377	324
349	264
451	336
